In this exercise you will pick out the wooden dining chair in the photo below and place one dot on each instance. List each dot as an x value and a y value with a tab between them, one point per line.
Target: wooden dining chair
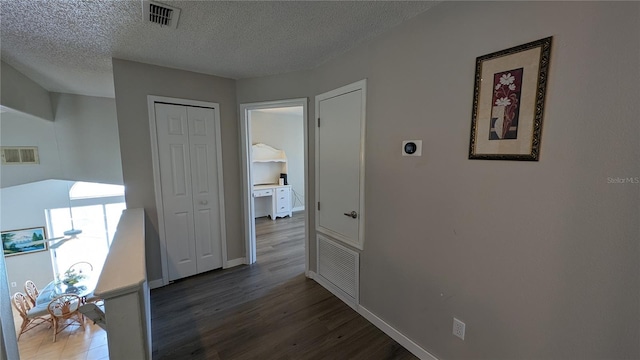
31	316
64	312
32	291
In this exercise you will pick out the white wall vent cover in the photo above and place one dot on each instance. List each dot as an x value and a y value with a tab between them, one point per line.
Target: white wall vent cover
20	155
161	14
339	266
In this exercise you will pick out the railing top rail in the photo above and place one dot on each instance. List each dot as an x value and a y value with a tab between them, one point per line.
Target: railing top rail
124	270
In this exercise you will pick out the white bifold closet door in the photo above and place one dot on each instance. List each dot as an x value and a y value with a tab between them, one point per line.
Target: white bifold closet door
188	173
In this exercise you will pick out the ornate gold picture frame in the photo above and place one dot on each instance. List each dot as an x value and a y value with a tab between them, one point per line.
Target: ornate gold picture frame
508	102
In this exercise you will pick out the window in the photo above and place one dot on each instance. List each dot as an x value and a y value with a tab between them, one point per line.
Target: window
85	190
95	209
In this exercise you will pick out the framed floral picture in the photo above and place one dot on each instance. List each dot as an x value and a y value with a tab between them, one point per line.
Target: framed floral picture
16	242
508	102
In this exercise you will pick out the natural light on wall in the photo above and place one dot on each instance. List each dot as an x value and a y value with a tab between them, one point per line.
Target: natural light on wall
85	190
96	210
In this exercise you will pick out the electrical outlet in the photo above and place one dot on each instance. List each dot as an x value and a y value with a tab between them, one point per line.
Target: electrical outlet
13	284
458	328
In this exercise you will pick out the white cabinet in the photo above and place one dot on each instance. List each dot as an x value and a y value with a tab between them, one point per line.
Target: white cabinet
262	192
282	203
278	196
269	198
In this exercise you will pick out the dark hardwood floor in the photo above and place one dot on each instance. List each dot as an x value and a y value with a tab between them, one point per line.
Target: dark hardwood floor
268	310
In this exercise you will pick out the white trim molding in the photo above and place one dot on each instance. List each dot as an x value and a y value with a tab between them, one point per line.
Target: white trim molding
235	262
336	291
356	86
396	335
247	188
154	284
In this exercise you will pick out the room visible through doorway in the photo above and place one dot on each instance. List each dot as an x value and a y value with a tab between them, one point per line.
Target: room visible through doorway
275	176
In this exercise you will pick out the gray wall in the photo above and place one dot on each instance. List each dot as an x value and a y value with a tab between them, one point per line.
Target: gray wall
87	136
81	144
539	259
19	129
133	82
20	93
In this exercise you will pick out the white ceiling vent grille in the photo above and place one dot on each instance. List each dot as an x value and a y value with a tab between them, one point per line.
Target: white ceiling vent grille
161	14
20	155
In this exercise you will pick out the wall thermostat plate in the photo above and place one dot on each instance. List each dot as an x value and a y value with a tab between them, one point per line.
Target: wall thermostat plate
412	148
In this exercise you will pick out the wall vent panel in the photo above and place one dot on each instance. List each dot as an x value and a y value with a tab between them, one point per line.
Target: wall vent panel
339	266
20	155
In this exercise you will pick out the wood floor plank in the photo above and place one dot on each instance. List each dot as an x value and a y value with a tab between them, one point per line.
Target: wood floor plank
268	310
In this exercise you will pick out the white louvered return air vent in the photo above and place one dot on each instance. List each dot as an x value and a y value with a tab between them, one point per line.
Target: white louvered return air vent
161	14
20	155
340	267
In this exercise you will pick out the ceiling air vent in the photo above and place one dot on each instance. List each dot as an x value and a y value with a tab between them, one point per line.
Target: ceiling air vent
161	14
20	155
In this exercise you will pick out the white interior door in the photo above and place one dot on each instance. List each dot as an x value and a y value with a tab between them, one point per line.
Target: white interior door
188	163
340	163
208	238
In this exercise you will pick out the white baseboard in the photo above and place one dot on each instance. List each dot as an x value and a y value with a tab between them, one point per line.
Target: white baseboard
299	208
235	262
396	335
154	284
336	291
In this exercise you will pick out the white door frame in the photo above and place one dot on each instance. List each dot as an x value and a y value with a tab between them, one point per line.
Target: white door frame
358	85
157	185
247	188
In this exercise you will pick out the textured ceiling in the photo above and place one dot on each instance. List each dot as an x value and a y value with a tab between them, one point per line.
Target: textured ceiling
67	46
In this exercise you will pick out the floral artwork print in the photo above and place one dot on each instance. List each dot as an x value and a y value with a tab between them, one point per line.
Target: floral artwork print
507	86
509	91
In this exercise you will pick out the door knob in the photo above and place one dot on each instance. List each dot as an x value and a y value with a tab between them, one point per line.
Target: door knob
352	214
203	202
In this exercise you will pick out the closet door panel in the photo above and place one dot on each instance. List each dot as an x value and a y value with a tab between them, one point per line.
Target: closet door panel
202	139
175	174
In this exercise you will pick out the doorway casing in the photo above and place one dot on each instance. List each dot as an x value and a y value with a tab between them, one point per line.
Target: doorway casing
247	187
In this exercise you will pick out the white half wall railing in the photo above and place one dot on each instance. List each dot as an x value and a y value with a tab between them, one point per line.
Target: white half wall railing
124	288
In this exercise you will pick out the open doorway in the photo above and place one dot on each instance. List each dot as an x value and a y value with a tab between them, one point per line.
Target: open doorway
274	154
